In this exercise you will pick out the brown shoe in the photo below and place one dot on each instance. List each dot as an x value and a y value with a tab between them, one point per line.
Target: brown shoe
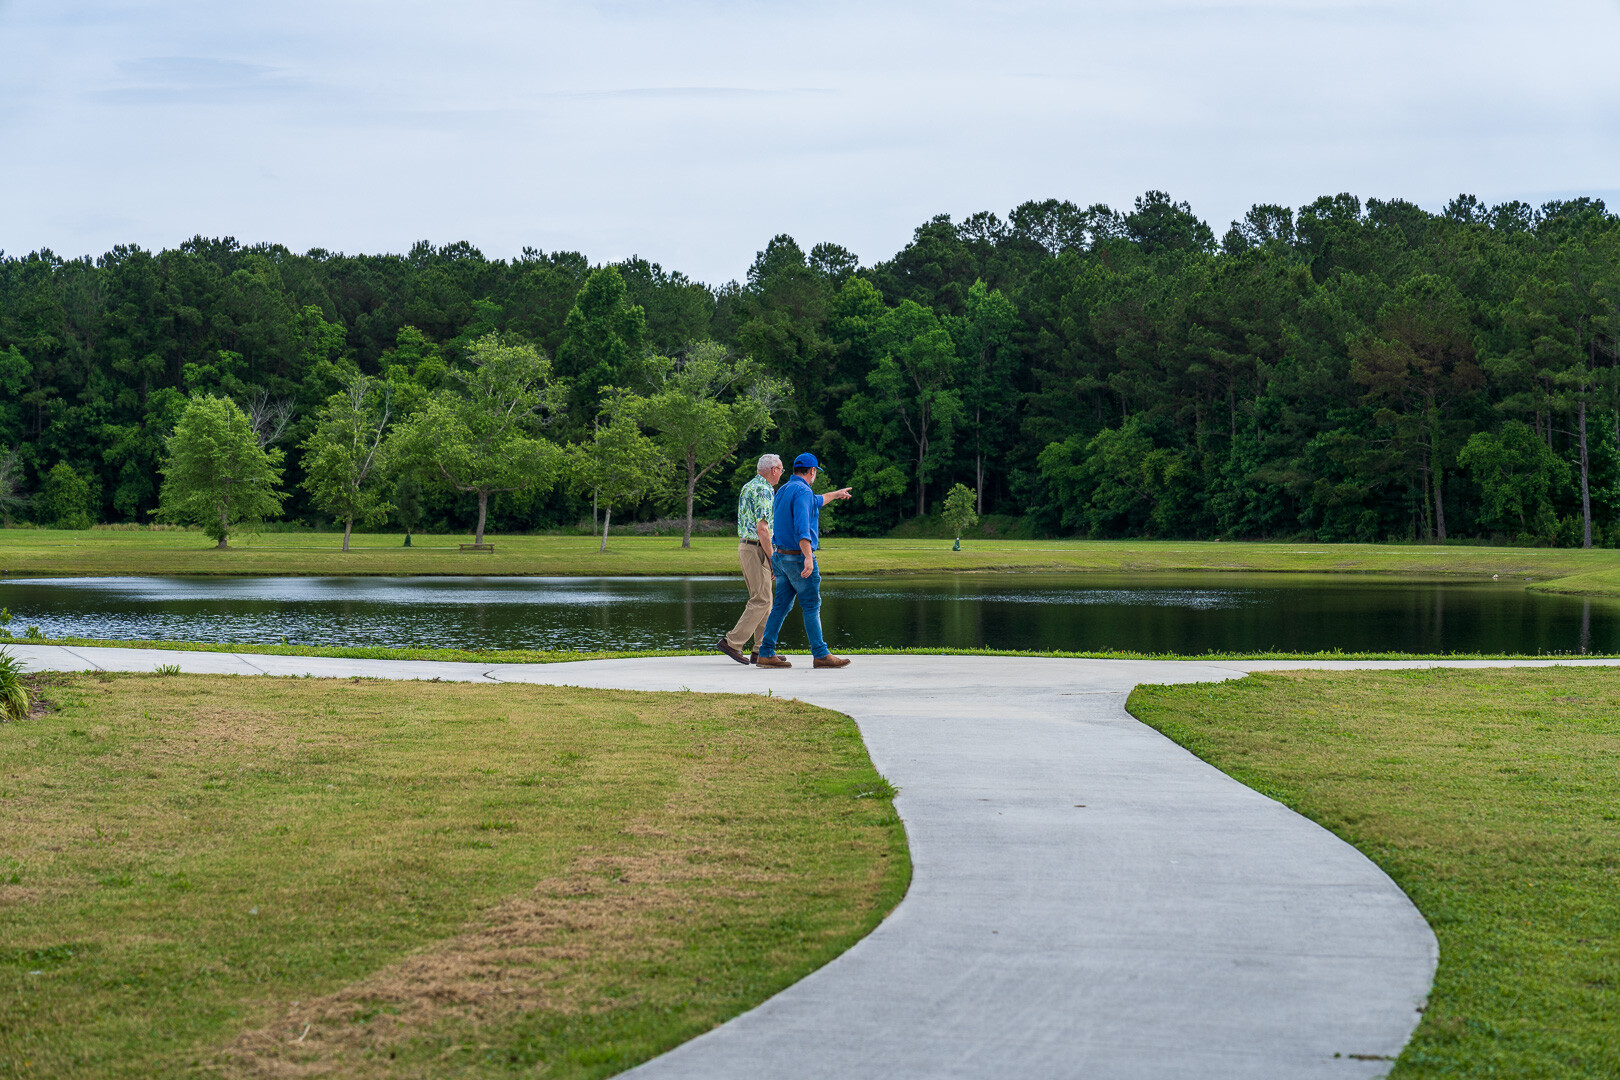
736	654
753	657
772	661
831	661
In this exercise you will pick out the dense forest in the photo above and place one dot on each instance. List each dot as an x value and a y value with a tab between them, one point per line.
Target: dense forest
1348	371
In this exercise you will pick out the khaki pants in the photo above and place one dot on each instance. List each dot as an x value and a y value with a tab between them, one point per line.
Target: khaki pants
756	568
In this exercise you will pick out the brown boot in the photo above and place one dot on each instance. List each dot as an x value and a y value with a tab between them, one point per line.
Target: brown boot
772	661
831	661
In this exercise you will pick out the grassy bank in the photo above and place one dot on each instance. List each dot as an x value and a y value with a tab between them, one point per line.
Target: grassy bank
251	877
1590	583
1491	798
38	552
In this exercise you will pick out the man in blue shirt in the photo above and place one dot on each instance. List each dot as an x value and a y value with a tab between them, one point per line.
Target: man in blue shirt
796	536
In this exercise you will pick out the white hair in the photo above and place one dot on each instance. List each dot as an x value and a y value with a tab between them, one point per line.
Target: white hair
768	462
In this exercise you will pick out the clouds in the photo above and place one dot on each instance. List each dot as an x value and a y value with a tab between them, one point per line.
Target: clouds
690	132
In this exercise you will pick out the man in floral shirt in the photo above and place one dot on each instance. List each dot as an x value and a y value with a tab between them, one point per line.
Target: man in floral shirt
754	553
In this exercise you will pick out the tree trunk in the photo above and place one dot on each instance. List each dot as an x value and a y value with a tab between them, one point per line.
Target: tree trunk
483	507
348	527
1586	486
1439	505
607	516
1439	489
1437	472
691	494
978	458
1426	503
224	530
922	455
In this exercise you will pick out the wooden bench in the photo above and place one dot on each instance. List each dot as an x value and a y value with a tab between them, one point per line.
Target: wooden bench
479	547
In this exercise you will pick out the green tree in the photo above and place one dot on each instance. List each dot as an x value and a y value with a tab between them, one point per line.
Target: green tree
989	388
66	498
619	465
959	510
416	359
1416	363
1118	482
15	376
11	484
408	502
133	450
606	336
913	404
215	473
1516	472
697	426
487	436
342	454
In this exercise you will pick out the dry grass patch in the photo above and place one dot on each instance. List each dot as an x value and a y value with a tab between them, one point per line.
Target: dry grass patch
292	877
1492	798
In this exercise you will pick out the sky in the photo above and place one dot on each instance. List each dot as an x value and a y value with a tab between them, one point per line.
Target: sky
690	132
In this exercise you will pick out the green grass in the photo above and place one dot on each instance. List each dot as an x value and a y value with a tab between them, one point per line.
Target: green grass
1590	583
535	656
1492	798
247	877
41	552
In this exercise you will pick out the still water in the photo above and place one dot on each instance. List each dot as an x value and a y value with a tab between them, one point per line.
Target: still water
1182	613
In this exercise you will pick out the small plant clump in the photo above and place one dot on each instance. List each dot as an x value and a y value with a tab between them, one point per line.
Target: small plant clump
14	700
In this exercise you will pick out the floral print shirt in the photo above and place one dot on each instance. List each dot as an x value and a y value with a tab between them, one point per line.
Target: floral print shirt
753	506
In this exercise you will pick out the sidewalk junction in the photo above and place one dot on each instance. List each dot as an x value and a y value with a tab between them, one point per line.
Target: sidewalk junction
1088	899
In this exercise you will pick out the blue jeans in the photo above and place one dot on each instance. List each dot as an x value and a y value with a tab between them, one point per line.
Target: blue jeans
790	587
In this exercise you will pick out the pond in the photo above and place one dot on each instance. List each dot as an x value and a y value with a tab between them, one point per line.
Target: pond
1182	613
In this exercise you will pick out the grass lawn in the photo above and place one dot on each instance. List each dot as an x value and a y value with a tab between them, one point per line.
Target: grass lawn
274	877
536	656
43	552
1492	798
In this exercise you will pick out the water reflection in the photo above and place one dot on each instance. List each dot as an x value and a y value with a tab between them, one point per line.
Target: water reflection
1166	613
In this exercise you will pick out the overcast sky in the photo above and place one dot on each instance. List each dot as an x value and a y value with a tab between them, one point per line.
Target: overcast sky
691	132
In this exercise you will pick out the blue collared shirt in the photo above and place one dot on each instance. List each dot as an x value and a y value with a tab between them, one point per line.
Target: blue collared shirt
798	515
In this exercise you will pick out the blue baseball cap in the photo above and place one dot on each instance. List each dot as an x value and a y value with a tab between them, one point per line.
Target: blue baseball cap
806	461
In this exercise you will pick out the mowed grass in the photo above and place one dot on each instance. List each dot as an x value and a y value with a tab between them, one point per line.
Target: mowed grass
270	877
538	656
42	552
1492	797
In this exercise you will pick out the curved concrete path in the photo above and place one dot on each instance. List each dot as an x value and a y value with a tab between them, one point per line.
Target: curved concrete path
1088	900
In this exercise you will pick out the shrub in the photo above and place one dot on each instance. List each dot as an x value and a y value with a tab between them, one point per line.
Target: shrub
14	703
67	500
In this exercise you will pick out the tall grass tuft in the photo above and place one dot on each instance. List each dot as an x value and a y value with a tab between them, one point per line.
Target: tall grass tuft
14	703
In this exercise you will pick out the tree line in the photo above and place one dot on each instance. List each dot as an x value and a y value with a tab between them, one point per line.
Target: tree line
1345	371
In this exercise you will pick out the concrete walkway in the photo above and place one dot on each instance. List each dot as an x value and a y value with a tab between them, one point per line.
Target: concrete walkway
1088	900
